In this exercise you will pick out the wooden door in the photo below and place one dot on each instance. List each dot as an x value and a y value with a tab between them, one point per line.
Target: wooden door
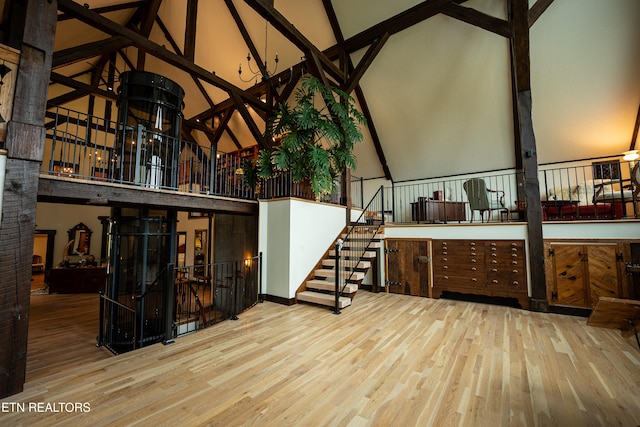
408	267
604	280
569	287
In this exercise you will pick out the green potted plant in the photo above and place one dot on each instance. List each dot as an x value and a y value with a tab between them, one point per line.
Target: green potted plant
316	136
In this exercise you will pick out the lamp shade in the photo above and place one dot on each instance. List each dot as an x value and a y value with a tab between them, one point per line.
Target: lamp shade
630	155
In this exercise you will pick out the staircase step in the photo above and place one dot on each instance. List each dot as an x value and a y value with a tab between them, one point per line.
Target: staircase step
352	254
324	272
350	243
360	236
326	285
323	299
349	263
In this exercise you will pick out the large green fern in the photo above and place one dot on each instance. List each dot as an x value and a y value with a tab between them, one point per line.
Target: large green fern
316	135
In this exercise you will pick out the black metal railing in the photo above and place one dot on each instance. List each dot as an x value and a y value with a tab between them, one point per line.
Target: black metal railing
590	190
87	147
353	252
210	293
282	185
454	199
201	295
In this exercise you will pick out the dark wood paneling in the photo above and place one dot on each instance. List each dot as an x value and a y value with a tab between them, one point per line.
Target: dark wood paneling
81	192
408	267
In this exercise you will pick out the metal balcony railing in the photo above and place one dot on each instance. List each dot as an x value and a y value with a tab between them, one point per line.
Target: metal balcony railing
91	148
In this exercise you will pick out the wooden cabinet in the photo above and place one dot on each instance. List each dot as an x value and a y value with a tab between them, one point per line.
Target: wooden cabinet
76	280
425	210
581	273
408	267
481	267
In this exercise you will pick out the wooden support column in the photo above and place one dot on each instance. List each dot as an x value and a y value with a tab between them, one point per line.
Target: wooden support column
525	148
24	143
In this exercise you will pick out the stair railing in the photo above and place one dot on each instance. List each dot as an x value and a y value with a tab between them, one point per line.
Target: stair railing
357	241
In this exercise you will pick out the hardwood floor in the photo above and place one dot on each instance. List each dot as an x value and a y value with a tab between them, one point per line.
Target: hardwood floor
62	331
386	360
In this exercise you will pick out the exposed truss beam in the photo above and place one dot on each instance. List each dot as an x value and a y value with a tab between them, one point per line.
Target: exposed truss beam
346	61
89	50
478	19
190	30
365	62
373	132
176	49
264	8
72	83
105	9
393	25
537	10
263	142
110	27
245	36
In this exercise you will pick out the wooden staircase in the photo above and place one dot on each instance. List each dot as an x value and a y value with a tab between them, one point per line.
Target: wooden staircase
357	262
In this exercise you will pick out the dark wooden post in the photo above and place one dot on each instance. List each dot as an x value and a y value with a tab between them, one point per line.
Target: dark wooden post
34	36
525	148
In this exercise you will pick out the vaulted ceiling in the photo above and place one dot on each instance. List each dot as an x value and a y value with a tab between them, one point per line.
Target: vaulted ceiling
434	77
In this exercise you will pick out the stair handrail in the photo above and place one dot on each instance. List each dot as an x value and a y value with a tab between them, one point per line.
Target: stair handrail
371	208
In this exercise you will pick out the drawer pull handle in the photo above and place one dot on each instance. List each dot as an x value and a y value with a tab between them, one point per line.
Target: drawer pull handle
446	267
494	255
445	277
473	269
444	259
473	279
494	281
514	255
494	249
515	283
494	261
513	243
514	262
473	244
494	270
473	260
493	243
473	254
444	253
514	271
514	249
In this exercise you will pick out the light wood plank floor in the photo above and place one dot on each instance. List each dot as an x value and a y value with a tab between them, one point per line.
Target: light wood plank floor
62	331
386	360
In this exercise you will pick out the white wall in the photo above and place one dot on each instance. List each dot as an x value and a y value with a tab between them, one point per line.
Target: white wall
293	236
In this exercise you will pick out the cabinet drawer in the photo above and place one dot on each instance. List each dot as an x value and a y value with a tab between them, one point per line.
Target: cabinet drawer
442	280
459	268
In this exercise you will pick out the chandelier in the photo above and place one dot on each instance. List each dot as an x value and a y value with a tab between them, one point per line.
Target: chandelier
258	75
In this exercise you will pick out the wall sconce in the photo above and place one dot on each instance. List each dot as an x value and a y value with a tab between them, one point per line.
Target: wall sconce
247	262
3	169
630	155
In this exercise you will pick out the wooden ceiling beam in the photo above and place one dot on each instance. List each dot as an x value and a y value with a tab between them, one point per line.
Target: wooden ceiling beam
74	84
245	36
225	116
537	10
373	132
279	22
478	19
89	50
176	49
263	142
190	30
105	9
365	62
393	25
110	27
